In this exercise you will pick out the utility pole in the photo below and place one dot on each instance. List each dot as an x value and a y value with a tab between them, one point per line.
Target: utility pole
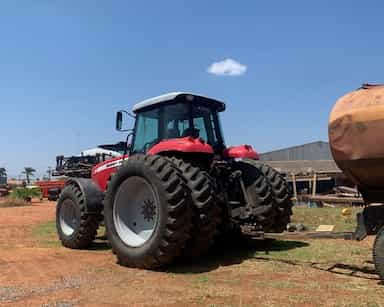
49	172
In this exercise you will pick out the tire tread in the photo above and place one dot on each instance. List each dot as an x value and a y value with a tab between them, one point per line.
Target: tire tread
178	222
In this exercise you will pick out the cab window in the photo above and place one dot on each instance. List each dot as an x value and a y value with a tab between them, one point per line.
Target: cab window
147	130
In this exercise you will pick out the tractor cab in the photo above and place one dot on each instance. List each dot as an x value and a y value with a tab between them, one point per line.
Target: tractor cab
177	122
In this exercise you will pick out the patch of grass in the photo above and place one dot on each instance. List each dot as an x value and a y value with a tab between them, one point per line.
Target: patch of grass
46	235
313	217
369	304
320	250
316	251
297	298
201	282
277	284
13	202
101	231
202	279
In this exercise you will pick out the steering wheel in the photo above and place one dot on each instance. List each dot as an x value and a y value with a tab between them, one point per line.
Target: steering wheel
148	145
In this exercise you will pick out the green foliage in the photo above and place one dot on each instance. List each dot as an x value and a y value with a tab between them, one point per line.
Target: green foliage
202	279
25	193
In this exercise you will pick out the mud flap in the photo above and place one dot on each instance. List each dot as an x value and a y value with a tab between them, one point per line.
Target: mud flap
93	195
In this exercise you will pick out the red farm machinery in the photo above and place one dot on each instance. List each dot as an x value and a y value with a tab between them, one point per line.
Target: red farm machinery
175	190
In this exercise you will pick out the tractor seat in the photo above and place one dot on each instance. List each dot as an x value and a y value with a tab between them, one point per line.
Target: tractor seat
193	132
173	133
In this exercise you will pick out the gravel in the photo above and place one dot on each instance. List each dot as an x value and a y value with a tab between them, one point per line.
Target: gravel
11	294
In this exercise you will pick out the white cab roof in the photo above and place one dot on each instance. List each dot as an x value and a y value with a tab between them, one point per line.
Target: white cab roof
168	97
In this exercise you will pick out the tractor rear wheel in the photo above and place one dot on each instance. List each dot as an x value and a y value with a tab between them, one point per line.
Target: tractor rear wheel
259	194
76	228
281	196
378	253
147	214
205	211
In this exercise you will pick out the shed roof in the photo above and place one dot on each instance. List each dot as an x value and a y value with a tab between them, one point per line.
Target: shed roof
305	166
310	151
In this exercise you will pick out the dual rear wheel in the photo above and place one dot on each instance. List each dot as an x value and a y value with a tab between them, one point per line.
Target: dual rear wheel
147	212
159	208
281	196
268	195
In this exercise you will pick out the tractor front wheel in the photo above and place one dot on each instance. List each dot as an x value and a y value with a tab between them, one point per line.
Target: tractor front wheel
76	228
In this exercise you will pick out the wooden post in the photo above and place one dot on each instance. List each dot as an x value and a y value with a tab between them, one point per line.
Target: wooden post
309	185
314	184
294	186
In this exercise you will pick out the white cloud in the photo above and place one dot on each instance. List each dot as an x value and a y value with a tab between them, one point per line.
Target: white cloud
227	67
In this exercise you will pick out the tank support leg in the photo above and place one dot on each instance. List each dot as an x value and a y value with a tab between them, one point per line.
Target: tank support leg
360	231
369	221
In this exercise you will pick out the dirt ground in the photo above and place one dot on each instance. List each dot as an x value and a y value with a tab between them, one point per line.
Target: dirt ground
291	273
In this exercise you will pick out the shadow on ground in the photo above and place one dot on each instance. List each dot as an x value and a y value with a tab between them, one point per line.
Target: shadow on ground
100	244
363	271
230	254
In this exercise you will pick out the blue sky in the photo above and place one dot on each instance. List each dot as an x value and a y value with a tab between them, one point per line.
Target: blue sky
67	66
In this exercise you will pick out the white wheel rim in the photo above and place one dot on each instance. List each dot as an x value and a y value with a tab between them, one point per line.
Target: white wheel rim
69	218
135	211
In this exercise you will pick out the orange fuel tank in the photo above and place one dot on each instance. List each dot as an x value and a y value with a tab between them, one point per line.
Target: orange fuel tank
356	137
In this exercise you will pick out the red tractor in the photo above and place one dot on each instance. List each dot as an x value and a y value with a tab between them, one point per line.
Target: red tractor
176	189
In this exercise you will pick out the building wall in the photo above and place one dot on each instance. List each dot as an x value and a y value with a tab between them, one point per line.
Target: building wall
311	151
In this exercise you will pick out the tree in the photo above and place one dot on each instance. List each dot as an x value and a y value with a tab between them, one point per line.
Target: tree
28	172
3	172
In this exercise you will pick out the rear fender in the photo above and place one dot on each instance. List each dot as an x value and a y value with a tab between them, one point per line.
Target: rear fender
241	152
102	172
93	195
186	145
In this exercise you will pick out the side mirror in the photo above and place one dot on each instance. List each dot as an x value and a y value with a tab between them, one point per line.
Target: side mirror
122	121
119	121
